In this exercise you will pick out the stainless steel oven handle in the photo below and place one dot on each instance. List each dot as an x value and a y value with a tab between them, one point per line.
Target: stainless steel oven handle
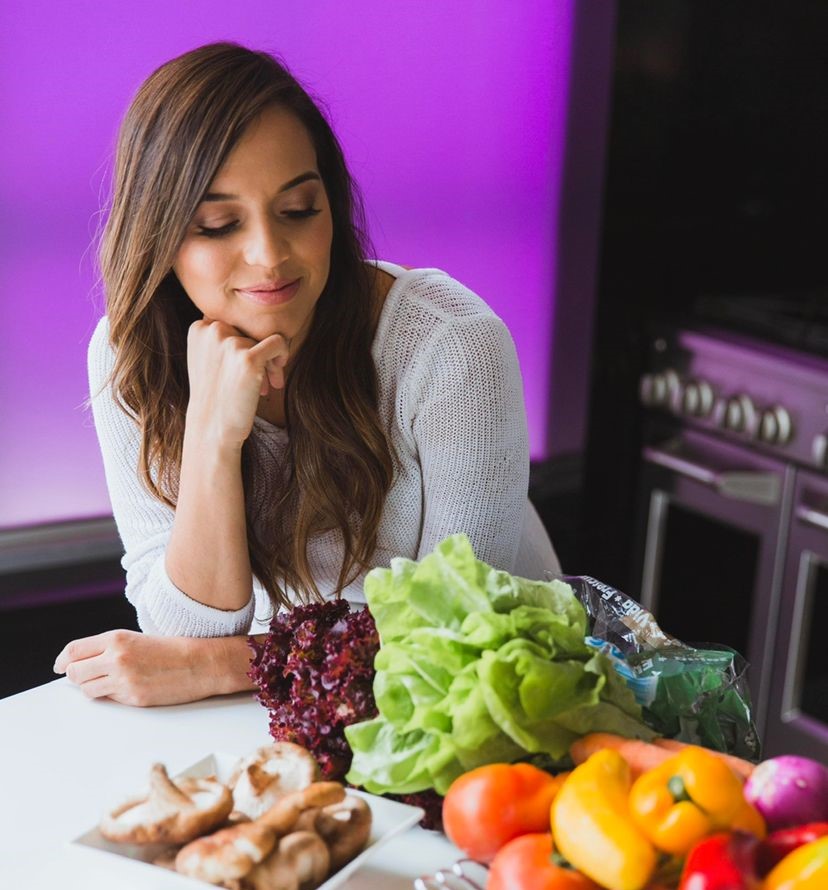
753	487
812	517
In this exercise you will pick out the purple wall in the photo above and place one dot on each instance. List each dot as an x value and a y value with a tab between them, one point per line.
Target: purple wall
452	115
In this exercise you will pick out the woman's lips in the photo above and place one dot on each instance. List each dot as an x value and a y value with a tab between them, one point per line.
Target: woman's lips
271	296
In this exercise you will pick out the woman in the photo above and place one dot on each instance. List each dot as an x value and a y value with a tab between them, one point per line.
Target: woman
277	414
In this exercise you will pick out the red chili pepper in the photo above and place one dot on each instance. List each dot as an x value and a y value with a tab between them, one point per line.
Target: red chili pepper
776	846
722	862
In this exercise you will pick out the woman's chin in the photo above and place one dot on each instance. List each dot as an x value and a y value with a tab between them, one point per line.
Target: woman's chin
262	330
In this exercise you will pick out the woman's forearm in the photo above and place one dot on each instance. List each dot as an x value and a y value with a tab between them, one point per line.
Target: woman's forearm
207	554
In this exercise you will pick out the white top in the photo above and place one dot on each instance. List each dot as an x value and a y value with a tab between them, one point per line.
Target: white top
451	402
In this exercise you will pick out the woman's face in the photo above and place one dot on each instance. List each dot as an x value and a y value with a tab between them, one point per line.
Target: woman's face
257	252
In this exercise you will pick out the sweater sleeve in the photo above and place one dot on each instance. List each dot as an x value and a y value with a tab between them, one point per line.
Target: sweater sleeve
145	523
472	439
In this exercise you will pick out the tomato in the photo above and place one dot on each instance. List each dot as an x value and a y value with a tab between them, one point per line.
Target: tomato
525	863
488	806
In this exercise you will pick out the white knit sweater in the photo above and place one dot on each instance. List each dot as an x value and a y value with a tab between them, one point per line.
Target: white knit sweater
451	401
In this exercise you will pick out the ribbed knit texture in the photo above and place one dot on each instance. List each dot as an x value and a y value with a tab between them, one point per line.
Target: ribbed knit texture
451	402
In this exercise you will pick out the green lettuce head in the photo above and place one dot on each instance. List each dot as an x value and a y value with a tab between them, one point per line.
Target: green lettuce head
477	666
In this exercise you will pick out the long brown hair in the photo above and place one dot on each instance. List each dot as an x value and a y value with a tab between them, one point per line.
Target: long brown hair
178	131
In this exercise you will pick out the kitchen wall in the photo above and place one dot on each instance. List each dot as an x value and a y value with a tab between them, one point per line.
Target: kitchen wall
453	116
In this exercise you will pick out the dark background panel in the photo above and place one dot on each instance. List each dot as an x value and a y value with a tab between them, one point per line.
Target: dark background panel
715	192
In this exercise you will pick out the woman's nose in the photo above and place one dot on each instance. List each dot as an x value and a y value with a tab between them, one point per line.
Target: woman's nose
266	245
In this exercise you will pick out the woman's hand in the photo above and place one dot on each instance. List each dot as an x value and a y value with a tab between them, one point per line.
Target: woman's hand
228	373
137	669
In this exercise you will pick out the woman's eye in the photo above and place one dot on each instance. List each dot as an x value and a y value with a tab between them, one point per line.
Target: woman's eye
301	214
216	232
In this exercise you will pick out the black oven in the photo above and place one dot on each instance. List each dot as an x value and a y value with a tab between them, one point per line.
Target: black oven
732	518
709	562
798	707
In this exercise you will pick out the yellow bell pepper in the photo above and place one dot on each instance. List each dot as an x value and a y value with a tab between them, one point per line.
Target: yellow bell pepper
592	828
804	869
688	797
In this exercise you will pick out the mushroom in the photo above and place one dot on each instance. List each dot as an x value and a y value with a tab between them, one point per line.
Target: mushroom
300	862
268	774
171	812
165	858
226	855
282	816
345	827
307	819
230	854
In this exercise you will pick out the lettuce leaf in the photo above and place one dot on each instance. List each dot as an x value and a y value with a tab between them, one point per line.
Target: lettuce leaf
477	666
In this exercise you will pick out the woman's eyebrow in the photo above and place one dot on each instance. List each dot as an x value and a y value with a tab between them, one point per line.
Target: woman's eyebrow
297	180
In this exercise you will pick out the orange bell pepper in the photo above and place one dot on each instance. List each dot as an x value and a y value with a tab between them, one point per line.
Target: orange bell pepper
689	797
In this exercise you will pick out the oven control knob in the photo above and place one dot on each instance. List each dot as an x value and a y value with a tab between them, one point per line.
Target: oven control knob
656	389
652	389
819	450
697	398
738	413
775	426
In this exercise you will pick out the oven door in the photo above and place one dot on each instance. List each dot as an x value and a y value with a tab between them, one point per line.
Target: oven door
711	522
798	708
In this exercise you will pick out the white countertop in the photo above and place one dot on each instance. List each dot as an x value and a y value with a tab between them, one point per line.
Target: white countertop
66	759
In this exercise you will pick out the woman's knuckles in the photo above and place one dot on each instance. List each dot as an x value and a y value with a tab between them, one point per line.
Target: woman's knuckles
136	698
119	659
196	330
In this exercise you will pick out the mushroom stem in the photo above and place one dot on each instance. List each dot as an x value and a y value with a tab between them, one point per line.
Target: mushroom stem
162	785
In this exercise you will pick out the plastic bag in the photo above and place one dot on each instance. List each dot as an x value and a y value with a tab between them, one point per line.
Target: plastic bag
695	695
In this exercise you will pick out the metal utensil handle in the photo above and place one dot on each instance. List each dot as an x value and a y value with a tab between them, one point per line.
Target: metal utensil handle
813	517
750	486
681	465
465	874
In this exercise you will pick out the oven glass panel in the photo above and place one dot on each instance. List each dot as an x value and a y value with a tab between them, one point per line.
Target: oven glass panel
707	580
813	698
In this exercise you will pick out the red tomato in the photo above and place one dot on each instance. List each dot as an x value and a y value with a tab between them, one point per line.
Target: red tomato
526	864
487	807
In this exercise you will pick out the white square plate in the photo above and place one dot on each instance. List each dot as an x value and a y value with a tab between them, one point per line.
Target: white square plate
389	819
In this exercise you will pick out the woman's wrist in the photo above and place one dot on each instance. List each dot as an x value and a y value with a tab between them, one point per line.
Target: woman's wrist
202	434
223	663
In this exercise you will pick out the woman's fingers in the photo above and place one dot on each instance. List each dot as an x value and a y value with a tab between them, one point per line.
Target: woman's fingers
270	348
85	647
273	352
84	662
80	672
100	687
274	376
275	372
